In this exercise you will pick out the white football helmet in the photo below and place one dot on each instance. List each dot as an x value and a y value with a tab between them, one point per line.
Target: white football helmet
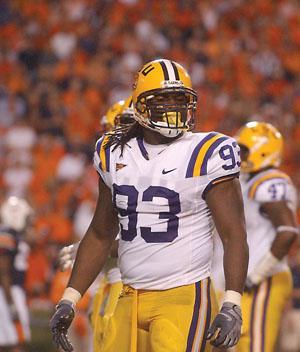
14	213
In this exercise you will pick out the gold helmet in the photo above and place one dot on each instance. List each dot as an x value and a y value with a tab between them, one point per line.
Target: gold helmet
120	113
262	145
163	98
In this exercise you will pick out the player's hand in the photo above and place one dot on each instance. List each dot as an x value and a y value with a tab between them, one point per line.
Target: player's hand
225	330
66	257
249	285
59	324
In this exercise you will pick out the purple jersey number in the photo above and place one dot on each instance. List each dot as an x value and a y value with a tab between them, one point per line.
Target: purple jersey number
131	193
227	153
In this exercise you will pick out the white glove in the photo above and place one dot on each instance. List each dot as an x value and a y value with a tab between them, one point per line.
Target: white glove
66	256
263	269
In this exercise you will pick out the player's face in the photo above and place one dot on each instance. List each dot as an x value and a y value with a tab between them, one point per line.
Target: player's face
170	108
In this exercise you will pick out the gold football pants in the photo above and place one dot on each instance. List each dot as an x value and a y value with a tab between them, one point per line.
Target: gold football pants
104	305
262	310
173	320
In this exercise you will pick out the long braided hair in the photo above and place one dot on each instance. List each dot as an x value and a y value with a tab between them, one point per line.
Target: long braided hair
121	135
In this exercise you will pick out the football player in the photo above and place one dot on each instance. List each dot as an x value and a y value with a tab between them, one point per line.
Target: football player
270	208
14	251
165	188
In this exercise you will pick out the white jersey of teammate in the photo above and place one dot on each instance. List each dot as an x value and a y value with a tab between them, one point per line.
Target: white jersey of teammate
271	185
165	224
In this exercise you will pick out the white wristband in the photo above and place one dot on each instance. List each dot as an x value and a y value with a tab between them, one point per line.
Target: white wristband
72	295
292	229
233	297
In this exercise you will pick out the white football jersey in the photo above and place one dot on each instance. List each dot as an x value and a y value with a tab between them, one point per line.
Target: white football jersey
267	186
165	224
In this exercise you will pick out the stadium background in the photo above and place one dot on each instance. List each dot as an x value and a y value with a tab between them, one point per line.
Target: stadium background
63	63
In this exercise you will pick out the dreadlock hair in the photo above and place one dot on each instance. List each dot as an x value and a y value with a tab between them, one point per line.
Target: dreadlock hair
121	135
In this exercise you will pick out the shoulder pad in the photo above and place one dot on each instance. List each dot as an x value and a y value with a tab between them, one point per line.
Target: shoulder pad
102	154
270	187
215	153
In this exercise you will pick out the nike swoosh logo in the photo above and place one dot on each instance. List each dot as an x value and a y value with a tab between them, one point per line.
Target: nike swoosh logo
167	171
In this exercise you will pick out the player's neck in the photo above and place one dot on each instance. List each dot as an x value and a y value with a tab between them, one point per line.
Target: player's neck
155	138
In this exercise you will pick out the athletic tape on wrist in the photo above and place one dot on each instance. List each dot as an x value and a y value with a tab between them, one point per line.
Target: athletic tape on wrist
232	297
72	295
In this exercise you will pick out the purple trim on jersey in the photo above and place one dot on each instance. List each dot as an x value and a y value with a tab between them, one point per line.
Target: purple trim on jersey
195	317
269	179
214	182
107	158
208	317
142	148
192	162
98	148
208	154
252	322
265	313
99	144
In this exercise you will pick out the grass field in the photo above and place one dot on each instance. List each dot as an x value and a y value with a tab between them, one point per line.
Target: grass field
40	333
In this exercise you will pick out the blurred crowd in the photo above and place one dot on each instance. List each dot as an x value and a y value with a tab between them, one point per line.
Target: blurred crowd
63	63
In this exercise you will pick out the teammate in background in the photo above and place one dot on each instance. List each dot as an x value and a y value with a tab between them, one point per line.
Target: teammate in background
110	285
164	187
119	114
14	316
270	209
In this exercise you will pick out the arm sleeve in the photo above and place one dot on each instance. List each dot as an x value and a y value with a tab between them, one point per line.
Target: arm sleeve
221	162
272	190
102	160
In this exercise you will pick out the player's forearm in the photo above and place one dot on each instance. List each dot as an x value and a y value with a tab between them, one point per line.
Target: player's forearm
90	259
282	244
235	263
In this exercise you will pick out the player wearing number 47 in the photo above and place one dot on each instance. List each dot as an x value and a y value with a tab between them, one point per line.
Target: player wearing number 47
173	187
270	204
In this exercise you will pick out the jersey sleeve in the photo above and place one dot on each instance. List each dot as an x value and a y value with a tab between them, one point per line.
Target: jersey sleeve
8	243
219	160
102	156
272	187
